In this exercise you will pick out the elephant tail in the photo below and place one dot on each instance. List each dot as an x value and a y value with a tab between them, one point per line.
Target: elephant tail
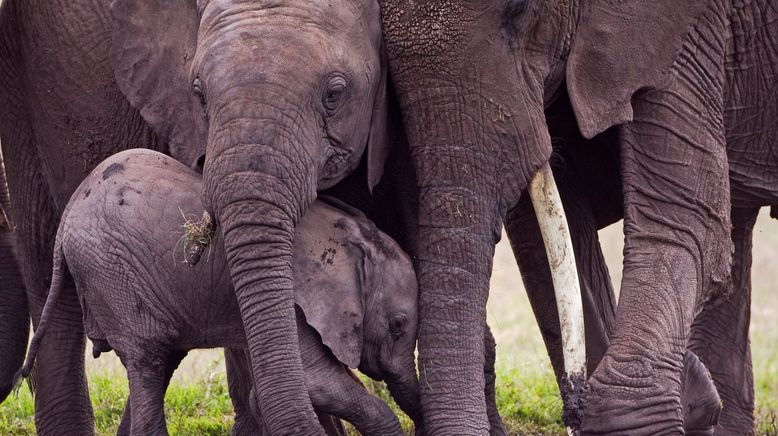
57	280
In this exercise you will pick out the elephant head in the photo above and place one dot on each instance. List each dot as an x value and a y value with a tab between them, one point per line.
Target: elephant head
473	79
366	316
282	98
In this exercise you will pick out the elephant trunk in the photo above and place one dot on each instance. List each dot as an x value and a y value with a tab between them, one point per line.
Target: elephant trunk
404	387
257	185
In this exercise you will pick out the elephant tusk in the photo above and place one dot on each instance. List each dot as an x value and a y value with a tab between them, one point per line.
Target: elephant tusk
559	249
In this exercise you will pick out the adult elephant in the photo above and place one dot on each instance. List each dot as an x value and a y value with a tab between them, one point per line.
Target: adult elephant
665	66
281	98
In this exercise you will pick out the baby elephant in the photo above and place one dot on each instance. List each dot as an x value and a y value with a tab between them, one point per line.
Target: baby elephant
121	240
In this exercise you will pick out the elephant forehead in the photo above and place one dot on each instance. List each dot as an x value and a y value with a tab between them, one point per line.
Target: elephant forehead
342	15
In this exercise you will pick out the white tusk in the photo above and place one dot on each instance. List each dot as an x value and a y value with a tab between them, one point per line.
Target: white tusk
559	249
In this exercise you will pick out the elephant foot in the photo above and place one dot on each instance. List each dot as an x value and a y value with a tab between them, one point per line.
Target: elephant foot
701	402
629	395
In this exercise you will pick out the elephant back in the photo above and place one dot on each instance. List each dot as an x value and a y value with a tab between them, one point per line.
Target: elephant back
133	216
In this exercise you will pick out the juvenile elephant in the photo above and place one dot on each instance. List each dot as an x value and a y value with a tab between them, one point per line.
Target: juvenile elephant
282	98
121	240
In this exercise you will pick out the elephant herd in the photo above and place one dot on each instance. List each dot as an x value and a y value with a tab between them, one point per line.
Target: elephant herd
354	163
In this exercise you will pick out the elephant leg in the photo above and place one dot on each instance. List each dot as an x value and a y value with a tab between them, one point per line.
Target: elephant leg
16	132
149	369
14	313
173	361
124	425
62	403
147	398
336	391
496	426
720	336
700	400
239	382
331	425
677	247
62	399
599	301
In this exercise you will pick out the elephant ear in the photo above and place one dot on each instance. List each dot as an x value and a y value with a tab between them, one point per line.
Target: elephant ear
154	42
330	280
619	48
379	143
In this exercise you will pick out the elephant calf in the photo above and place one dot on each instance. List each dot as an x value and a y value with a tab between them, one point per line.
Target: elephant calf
121	240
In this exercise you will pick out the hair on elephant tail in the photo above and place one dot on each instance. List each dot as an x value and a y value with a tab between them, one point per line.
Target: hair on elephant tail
57	281
31	380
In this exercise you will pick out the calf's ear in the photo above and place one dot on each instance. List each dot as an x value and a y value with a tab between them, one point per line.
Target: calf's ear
329	283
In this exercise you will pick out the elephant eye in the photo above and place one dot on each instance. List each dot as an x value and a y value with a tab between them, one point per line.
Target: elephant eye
334	93
397	325
199	91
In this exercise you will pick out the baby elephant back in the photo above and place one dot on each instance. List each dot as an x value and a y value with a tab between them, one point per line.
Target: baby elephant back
118	179
135	195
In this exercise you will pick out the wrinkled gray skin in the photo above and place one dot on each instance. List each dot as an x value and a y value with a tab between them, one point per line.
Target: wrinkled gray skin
686	81
588	175
120	240
13	303
282	97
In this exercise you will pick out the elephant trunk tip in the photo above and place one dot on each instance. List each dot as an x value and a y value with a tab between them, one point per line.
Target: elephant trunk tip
198	236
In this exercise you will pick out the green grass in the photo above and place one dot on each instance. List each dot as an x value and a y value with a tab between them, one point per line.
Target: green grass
202	407
198	403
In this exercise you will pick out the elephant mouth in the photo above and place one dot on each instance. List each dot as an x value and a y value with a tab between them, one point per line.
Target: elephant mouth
338	160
